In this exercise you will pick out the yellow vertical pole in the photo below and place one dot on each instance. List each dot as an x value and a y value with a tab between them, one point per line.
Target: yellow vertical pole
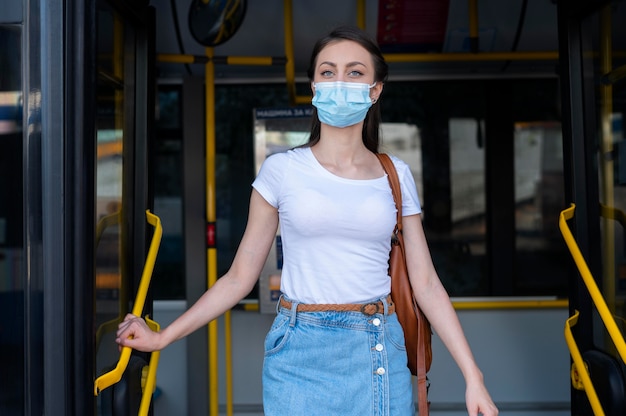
473	24
290	68
209	85
360	14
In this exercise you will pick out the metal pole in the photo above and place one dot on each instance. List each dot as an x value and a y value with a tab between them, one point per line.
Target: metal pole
209	85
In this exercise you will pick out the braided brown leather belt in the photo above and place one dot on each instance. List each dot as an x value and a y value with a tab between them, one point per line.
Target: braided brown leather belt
368	309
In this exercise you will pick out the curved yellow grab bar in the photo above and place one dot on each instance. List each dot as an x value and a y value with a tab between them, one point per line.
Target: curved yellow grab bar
105	222
613	213
580	369
112	377
592	287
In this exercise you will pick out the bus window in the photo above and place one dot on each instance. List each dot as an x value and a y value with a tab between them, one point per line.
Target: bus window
491	183
539	198
462	269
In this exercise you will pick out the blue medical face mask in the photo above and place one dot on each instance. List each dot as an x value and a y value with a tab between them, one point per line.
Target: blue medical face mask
342	104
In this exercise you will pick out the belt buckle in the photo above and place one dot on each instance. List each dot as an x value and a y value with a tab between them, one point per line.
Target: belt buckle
365	305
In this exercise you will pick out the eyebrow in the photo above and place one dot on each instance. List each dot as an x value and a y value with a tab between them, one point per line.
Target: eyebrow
349	65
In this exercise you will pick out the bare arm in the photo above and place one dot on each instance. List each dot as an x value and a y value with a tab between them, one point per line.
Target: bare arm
224	294
435	302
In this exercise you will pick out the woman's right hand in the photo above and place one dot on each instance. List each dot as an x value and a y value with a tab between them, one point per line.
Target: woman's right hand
133	332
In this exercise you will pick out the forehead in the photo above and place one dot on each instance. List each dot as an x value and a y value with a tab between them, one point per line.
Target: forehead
343	51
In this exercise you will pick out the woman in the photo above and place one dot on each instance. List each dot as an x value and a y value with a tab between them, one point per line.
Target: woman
335	347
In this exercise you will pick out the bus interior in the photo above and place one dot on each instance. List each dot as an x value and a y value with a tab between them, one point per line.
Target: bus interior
130	134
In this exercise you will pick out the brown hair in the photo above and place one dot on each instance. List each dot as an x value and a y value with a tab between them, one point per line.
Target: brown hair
371	124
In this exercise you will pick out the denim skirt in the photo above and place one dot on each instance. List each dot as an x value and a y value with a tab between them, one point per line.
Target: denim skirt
336	364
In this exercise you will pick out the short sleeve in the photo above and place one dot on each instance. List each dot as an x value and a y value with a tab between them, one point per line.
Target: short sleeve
270	178
410	199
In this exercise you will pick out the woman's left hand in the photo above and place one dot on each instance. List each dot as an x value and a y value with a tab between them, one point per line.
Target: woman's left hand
479	402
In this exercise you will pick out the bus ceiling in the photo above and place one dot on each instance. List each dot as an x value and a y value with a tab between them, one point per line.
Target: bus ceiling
254	41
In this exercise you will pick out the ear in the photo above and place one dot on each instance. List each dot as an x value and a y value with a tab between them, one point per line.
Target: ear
375	91
313	87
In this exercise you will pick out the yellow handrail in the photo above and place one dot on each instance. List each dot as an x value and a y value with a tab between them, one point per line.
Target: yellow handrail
613	213
290	71
601	306
579	369
489	304
471	56
105	222
115	375
592	287
225	60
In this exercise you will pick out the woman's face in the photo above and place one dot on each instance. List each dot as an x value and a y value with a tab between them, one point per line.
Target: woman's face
347	61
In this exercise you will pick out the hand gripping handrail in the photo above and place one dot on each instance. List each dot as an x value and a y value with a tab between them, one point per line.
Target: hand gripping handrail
600	304
114	376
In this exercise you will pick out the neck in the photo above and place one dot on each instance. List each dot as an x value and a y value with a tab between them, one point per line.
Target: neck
341	146
347	136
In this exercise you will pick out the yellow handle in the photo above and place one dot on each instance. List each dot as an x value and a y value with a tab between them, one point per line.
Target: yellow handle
580	369
592	287
115	375
613	213
105	222
580	374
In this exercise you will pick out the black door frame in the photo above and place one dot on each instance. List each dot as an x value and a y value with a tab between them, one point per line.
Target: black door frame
581	171
59	199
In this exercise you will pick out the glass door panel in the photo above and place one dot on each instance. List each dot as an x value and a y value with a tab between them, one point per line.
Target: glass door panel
604	69
606	66
111	296
12	284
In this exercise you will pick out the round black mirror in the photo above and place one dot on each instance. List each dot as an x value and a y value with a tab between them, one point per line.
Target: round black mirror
213	22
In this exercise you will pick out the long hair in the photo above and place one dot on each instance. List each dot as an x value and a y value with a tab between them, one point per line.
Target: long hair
371	124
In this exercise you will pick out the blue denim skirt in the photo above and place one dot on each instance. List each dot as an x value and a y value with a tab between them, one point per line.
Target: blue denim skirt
336	363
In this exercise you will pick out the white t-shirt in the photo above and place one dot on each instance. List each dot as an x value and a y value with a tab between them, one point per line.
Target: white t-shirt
336	232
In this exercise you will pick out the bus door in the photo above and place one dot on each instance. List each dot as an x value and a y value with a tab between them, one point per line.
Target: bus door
123	193
592	45
76	111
